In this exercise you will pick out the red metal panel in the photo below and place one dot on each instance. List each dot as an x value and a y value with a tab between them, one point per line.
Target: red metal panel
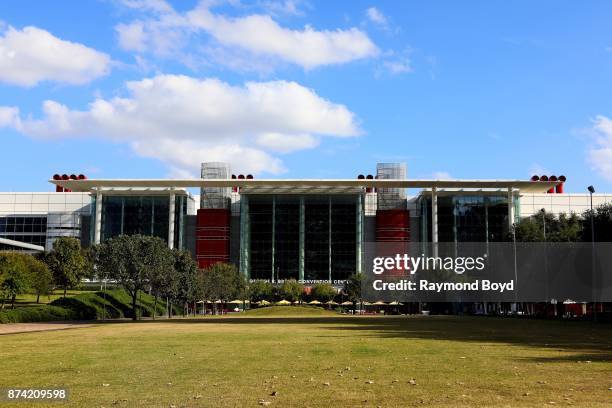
392	226
212	236
392	235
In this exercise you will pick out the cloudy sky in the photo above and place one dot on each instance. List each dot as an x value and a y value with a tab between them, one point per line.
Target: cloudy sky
290	88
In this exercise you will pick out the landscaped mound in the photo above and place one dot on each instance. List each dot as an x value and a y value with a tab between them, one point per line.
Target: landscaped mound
290	311
112	304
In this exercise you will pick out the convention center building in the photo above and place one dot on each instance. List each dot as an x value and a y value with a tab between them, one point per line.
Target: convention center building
276	229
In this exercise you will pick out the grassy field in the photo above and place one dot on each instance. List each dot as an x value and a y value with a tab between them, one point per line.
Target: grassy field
282	311
29	299
318	361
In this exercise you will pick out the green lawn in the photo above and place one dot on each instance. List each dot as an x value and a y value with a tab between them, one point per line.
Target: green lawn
283	311
319	362
29	299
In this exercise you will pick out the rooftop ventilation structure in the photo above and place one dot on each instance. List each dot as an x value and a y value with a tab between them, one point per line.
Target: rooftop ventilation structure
391	198
215	197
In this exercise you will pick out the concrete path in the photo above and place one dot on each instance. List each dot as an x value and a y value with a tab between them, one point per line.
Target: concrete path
13	328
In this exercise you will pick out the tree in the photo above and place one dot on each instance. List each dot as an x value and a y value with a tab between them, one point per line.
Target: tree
323	292
67	263
164	283
222	282
41	278
602	218
352	288
260	290
132	261
186	270
563	228
291	290
14	277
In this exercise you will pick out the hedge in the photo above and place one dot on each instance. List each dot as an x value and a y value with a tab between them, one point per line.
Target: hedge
45	313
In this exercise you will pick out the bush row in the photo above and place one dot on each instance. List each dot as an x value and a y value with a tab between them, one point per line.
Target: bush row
45	313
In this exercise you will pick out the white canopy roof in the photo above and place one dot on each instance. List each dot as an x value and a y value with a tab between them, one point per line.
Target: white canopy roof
302	184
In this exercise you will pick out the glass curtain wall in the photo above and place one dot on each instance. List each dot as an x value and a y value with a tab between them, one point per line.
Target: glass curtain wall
144	215
467	219
287	238
329	237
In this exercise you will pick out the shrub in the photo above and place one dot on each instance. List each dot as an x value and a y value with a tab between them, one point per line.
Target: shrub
323	292
37	314
291	290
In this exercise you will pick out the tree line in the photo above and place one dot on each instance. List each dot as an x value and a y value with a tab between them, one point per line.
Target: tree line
567	228
139	263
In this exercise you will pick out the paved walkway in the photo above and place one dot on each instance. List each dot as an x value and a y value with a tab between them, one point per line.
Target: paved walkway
12	328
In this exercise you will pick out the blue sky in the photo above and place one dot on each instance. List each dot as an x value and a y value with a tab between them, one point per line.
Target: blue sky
146	89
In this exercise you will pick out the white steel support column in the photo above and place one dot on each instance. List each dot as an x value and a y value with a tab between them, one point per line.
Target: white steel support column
434	221
98	222
172	208
510	209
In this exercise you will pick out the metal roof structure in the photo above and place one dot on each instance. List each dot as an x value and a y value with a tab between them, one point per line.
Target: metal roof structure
23	245
304	184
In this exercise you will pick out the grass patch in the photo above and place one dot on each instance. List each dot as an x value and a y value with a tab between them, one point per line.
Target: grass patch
29	299
112	304
319	362
290	311
87	305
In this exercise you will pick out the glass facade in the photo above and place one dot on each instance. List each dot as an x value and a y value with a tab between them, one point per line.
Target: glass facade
28	229
144	215
467	218
310	237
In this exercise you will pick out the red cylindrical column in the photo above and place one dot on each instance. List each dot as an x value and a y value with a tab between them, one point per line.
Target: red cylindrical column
552	189
66	177
559	188
369	189
58	189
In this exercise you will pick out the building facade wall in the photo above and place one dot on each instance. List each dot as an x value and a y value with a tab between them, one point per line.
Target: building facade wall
40	218
531	204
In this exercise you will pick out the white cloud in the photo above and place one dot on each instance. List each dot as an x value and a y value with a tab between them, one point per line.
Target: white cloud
169	32
32	55
131	36
600	153
441	175
8	116
159	6
183	121
282	143
400	66
377	17
285	7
